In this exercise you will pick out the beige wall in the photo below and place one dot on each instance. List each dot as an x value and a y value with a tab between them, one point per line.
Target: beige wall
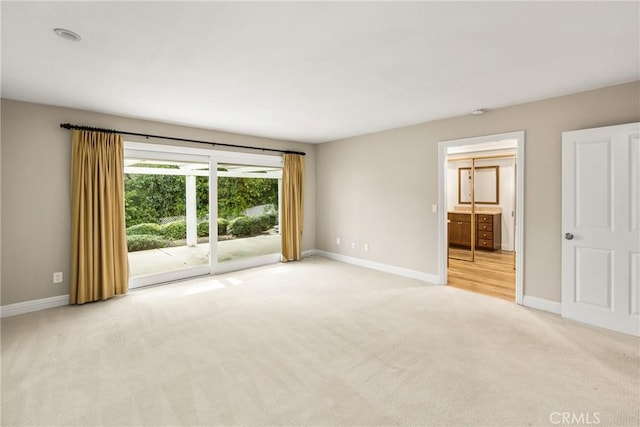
379	188
35	198
376	189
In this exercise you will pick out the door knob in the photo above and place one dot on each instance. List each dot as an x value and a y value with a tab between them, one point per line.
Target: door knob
568	236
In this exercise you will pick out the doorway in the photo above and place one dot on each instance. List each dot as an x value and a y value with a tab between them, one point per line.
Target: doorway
481	183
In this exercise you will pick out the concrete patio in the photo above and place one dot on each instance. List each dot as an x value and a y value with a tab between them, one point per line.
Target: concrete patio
179	257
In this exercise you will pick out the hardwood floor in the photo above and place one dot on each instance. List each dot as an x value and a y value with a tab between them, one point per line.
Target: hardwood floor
492	273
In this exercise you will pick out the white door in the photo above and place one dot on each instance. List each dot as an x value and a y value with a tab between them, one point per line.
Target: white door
601	227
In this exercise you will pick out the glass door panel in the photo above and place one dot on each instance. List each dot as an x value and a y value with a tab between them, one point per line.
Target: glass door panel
248	213
167	216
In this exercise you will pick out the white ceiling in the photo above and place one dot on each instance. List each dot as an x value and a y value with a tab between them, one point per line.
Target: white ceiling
312	71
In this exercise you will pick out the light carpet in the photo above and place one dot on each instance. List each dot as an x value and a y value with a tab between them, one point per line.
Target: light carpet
315	342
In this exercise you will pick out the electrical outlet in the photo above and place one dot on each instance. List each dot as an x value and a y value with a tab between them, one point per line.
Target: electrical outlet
337	240
434	208
57	277
366	247
353	245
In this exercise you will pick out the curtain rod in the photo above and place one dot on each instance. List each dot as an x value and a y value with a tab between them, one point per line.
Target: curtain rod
146	135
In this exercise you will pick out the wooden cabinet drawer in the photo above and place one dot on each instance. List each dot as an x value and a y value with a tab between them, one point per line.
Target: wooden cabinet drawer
485	226
485	235
459	217
482	243
484	218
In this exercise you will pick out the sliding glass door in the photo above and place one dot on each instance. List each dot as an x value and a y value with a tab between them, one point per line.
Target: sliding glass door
167	216
192	212
248	213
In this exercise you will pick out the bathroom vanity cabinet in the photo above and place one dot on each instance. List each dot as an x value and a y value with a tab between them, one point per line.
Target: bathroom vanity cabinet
488	230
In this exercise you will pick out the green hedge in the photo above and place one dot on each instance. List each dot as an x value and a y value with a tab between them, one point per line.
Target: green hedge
146	228
143	242
257	224
267	221
223	223
249	226
203	229
272	217
176	230
240	226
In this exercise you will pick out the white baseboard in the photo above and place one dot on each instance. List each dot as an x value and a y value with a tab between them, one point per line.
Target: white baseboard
308	253
400	271
33	305
542	304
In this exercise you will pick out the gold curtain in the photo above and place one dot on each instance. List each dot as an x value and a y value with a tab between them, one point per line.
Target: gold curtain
98	241
292	206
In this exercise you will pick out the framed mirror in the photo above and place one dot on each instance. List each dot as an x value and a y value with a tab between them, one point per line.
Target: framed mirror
487	185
